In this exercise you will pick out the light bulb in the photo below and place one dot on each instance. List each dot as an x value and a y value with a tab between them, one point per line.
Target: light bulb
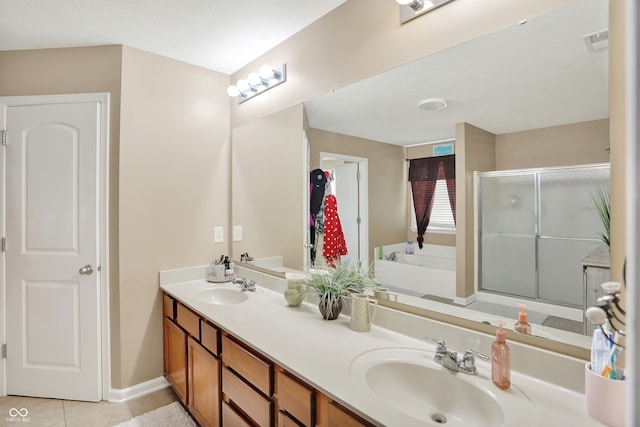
243	85
266	72
413	4
254	79
233	91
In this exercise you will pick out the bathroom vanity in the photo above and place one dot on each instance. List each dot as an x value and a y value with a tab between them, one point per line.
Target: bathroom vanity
247	359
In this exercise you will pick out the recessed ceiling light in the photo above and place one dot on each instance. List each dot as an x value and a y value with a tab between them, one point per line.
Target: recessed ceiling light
433	104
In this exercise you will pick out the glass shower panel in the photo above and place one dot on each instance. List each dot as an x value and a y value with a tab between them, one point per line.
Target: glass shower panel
560	270
508	265
566	205
508	225
508	204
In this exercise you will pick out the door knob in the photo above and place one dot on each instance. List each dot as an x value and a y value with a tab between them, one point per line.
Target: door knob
86	270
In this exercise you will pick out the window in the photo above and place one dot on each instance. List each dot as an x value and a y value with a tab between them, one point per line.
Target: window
441	216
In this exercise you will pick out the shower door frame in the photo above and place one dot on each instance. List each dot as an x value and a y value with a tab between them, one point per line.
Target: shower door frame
536	172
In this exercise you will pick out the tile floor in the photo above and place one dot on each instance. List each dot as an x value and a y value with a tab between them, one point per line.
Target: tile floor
71	413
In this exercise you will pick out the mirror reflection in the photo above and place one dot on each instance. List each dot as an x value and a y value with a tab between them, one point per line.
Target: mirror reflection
528	98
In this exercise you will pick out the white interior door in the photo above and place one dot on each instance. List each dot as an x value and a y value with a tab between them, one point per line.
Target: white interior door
53	309
347	195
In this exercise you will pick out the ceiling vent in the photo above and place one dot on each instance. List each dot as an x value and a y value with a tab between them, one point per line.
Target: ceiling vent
597	41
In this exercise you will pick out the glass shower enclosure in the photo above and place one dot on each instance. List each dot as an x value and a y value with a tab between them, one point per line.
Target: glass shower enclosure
534	227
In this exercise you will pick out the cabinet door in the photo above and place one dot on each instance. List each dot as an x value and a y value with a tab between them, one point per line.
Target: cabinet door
204	385
175	358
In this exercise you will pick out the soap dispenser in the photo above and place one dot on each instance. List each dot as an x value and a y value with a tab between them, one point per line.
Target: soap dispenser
522	325
500	359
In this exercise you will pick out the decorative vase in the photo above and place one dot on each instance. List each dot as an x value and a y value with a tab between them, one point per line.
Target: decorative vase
294	294
330	311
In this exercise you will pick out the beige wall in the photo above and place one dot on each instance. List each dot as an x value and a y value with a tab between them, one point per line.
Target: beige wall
174	187
475	151
617	111
387	181
268	185
573	144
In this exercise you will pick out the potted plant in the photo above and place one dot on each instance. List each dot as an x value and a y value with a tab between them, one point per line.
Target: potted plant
602	203
333	283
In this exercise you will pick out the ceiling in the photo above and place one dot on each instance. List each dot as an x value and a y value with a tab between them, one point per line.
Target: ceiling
222	35
528	76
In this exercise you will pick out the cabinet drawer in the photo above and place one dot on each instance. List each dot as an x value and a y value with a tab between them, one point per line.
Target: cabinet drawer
285	420
209	337
231	419
241	395
340	417
168	307
295	398
253	368
188	320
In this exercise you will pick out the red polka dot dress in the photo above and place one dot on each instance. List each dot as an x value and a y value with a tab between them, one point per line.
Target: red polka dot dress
334	244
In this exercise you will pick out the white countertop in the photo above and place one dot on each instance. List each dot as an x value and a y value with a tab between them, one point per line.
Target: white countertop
320	352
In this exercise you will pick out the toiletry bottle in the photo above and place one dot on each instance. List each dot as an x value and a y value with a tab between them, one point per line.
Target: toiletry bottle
522	325
409	248
500	360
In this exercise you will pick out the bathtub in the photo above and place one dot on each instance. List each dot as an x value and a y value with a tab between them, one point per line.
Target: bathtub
430	270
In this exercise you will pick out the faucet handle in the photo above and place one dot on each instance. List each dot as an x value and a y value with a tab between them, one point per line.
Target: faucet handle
468	362
442	346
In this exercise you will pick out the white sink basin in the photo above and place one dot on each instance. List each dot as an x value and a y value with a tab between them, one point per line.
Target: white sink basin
220	296
416	391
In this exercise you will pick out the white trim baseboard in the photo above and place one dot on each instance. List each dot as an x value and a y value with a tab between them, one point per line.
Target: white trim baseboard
464	301
138	390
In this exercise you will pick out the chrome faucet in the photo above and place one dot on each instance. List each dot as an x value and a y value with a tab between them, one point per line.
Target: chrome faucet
245	285
393	256
449	359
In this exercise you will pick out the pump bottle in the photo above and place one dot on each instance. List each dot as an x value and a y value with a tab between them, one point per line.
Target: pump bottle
522	325
500	360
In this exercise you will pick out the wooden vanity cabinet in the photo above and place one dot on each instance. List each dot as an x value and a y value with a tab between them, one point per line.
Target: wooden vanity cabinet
191	363
224	382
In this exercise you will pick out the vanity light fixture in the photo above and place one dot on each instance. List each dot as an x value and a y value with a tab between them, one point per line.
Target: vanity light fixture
410	9
256	83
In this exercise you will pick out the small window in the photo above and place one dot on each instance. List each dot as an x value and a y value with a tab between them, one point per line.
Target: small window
441	216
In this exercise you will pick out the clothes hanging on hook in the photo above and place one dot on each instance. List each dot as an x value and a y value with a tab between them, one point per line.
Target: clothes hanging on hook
317	186
334	244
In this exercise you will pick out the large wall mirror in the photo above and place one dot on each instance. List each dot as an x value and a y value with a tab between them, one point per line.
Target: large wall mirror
538	90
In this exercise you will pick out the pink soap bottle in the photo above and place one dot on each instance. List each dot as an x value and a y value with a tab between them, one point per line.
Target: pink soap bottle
522	325
500	360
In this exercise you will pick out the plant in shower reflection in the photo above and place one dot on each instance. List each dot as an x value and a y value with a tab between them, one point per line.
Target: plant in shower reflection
332	283
602	203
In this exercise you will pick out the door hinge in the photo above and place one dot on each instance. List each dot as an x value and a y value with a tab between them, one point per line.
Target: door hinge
358	176
4	244
4	351
4	137
359	221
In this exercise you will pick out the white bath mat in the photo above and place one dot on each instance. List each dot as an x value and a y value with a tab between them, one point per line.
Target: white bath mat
172	415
